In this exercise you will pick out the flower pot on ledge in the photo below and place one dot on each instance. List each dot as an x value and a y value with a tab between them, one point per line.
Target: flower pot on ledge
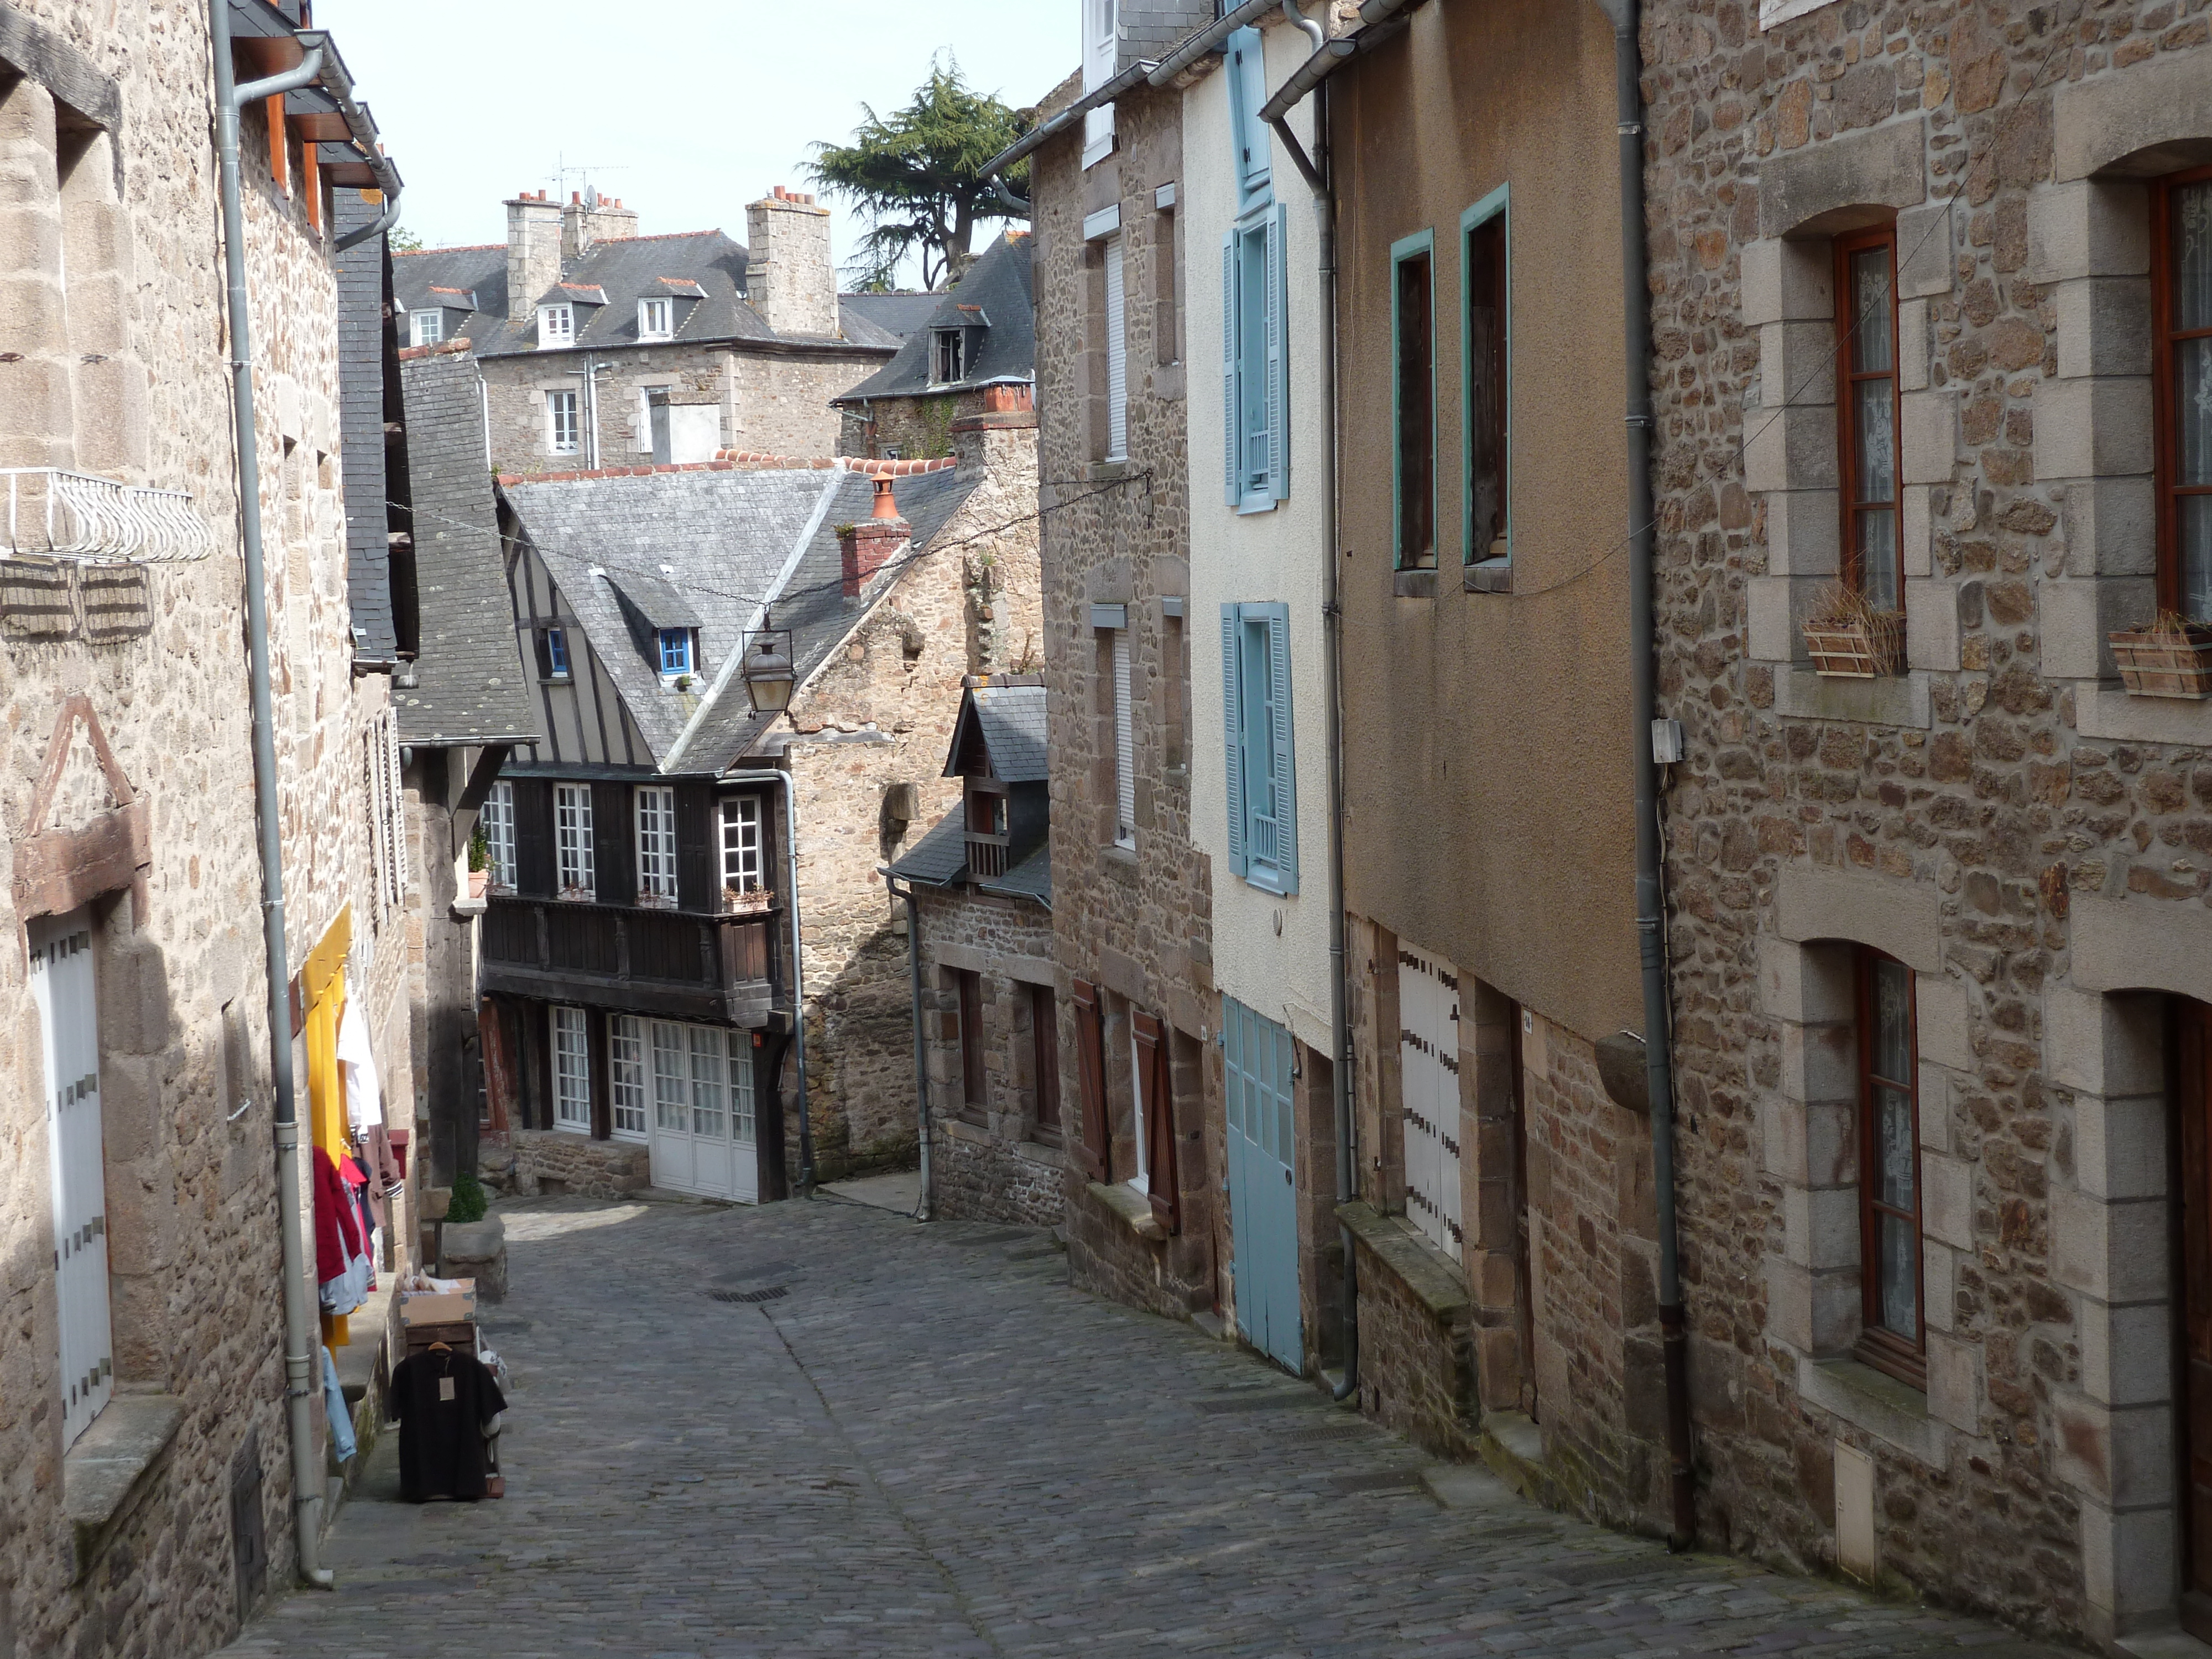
1857	647
749	903
2168	659
478	881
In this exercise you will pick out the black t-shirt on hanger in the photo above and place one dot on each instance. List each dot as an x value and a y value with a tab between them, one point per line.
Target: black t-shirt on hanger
443	1400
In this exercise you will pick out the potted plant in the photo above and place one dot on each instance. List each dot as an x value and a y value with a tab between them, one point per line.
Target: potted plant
479	862
747	900
1847	638
2170	657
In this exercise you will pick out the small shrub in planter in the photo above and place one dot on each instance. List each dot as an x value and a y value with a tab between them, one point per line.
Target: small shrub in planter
1847	639
2171	657
469	1202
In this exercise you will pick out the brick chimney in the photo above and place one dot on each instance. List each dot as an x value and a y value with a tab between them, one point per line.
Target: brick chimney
590	218
533	254
873	542
788	276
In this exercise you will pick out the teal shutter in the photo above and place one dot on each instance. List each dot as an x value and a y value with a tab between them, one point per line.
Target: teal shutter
1232	726
1231	415
1247	95
1279	710
1279	357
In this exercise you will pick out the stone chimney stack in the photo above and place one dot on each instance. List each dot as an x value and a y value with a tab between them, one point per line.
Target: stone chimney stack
873	542
788	276
534	254
590	218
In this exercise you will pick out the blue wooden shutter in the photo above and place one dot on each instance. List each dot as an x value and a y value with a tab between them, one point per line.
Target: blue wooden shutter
1279	358
1231	416
1247	95
1232	732
1284	806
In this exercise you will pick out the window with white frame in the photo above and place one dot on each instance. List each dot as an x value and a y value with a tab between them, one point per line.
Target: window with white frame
556	326
652	419
1255	683
656	846
572	1072
654	319
388	812
628	1080
497	822
572	840
562	431
742	869
426	327
63	990
1101	47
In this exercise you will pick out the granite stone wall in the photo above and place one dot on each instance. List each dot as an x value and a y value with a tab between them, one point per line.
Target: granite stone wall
119	366
2001	815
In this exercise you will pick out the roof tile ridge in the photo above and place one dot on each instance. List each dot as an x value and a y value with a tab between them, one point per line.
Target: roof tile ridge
585	474
762	460
463	247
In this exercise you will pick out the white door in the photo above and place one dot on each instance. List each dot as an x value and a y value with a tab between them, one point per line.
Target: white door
703	1136
1428	1051
68	1026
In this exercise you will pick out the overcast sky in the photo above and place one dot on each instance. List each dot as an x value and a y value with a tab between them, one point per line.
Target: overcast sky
687	114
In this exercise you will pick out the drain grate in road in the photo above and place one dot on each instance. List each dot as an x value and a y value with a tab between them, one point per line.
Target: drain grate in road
1321	1436
1006	1236
771	1293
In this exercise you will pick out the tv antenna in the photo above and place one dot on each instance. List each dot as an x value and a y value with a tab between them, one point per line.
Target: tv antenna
564	170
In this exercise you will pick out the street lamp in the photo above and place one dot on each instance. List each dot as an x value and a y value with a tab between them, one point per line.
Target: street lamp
768	673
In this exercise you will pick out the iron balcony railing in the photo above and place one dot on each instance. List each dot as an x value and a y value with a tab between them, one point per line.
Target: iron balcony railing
56	514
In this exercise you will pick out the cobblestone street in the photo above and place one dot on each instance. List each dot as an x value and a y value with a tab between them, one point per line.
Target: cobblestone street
932	1446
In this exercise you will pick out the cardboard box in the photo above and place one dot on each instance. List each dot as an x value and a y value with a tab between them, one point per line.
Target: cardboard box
440	1307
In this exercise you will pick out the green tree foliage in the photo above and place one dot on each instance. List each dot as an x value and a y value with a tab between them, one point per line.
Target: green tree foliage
400	240
915	173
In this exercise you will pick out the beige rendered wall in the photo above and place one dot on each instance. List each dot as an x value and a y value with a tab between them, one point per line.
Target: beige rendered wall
1486	743
1270	951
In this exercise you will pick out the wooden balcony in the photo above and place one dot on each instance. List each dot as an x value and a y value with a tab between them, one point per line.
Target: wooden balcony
986	854
676	963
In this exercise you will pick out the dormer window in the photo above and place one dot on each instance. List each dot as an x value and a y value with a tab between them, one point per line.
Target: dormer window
948	356
426	328
556	326
677	651
654	320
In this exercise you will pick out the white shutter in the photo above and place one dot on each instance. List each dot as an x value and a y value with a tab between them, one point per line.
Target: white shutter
1117	357
1125	746
1279	357
1428	1038
396	805
1101	47
68	1021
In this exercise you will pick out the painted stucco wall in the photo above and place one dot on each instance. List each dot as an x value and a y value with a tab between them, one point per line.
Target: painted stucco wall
1486	741
1281	972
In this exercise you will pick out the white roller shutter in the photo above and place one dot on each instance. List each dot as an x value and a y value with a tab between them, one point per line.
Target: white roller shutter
1117	357
1125	746
69	1022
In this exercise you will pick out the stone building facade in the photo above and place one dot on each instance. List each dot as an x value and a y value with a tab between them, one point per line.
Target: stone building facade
129	800
979	886
1131	917
1994	843
599	347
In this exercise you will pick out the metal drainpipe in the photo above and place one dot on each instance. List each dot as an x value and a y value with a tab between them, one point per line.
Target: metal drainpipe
1315	171
302	1375
797	978
1650	910
922	1211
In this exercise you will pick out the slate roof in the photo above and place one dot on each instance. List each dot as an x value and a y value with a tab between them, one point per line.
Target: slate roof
670	267
469	686
363	364
1012	721
940	858
1002	343
728	537
812	604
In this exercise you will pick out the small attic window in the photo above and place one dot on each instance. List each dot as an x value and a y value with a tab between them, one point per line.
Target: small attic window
948	357
556	326
678	651
653	320
426	328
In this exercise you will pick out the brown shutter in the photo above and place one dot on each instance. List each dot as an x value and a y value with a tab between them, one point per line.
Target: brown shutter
1162	1175
1090	1067
533	838
698	852
614	843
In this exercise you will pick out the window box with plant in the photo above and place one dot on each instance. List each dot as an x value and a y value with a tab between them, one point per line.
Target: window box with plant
1848	638
2170	658
747	900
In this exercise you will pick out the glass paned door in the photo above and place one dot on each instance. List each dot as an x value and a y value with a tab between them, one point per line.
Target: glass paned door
702	1136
